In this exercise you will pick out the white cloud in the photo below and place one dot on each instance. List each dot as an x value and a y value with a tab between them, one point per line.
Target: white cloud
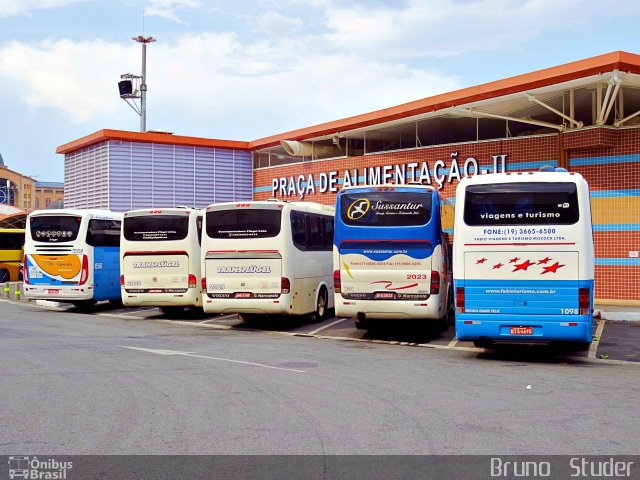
443	27
9	8
78	79
169	9
274	24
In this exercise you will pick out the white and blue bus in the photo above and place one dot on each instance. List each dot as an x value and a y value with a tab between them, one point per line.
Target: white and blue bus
391	254
72	256
523	258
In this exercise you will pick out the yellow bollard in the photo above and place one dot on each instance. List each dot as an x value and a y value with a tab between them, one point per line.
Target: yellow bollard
7	290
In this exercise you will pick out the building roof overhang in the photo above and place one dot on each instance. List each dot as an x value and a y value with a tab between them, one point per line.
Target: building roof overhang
148	137
498	98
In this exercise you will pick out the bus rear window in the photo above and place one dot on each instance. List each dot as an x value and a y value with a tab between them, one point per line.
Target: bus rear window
386	208
521	204
244	223
156	228
54	229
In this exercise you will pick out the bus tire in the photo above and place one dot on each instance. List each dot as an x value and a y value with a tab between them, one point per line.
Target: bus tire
248	317
172	311
321	306
4	275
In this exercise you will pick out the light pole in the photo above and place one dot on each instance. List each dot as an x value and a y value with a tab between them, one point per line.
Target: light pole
130	92
143	82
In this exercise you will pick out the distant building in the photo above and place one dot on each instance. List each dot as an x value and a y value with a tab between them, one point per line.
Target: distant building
121	171
49	195
16	190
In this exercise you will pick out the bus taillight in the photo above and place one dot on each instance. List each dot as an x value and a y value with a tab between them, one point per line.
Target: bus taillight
122	280
435	282
193	281
25	274
460	299
285	285
337	282
203	284
84	274
584	301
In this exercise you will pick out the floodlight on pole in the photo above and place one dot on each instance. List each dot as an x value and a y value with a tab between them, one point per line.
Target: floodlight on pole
134	87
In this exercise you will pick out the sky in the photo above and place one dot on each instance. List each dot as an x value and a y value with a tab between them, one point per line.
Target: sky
243	70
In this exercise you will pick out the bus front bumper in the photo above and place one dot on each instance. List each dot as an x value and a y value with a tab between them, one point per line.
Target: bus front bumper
382	309
58	293
511	328
257	306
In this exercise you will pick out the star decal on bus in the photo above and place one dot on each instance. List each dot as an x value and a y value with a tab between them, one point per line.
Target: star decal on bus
544	260
523	266
514	260
482	260
497	265
552	268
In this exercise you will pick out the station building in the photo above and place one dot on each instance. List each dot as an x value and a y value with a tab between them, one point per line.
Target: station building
583	116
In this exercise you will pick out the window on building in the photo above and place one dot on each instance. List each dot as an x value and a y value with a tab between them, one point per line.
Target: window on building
37	202
47	202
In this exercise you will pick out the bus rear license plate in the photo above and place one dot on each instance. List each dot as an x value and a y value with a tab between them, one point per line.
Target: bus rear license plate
53	291
243	295
521	330
385	295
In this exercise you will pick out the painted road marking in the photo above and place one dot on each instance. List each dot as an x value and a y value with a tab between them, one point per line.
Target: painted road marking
191	354
596	342
223	317
452	343
327	326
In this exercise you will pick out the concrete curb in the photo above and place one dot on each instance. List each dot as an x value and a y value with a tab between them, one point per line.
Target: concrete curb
620	316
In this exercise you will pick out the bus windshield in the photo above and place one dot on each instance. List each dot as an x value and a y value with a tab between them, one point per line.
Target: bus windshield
156	227
244	223
11	240
386	208
521	204
54	228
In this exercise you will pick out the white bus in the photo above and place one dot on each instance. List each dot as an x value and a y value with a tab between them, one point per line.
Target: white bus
268	257
72	256
523	259
160	258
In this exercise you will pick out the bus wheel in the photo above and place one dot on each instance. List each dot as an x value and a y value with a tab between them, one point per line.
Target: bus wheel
4	275
362	324
321	306
248	317
172	311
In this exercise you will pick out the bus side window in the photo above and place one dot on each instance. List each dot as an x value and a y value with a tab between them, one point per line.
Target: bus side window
298	230
103	233
315	232
328	233
199	225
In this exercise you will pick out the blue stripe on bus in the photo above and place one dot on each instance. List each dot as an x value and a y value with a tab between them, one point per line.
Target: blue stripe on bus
634	157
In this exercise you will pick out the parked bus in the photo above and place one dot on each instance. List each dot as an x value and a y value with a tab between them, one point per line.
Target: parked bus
160	258
268	257
11	253
523	258
72	256
391	254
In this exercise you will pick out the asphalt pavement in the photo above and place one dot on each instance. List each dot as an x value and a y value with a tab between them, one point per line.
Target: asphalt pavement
136	382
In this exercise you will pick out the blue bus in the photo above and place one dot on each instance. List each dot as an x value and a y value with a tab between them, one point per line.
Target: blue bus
523	254
73	256
391	254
